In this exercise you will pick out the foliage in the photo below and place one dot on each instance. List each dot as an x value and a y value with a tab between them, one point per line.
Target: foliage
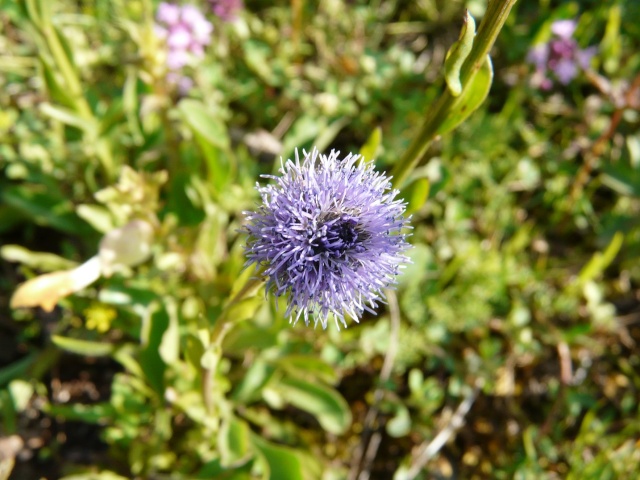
521	299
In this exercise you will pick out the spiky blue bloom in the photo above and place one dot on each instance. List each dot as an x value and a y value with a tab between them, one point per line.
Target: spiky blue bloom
328	235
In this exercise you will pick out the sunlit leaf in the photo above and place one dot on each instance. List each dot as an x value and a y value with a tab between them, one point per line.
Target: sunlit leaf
416	194
169	348
601	260
46	290
458	53
400	424
70	118
255	378
285	463
104	475
37	260
98	413
234	441
371	147
470	99
308	367
83	347
202	121
325	403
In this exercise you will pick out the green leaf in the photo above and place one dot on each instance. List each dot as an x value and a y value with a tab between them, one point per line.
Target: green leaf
180	203
33	12
83	347
416	194
203	122
44	208
248	336
21	392
131	105
70	118
16	369
212	139
104	475
234	442
97	216
400	424
211	357
324	403
308	367
215	469
251	384
471	98
169	348
244	309
94	414
126	356
458	53
46	262
601	260
194	350
611	44
286	463
57	93
155	322
370	149
622	178
259	58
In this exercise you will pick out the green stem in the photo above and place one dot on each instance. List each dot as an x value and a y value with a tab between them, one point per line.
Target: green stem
219	331
71	80
495	16
40	15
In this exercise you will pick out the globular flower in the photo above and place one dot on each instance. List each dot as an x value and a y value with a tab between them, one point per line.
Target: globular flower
186	33
329	235
226	9
561	57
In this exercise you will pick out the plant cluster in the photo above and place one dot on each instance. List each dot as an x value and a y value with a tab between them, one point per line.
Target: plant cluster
181	179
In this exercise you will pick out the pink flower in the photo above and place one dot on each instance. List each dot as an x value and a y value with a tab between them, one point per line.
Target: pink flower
560	57
186	32
227	10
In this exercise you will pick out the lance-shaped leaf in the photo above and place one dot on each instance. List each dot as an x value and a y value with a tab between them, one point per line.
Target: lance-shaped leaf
471	98
458	53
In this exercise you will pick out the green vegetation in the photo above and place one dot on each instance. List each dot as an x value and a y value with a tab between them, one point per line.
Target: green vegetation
142	349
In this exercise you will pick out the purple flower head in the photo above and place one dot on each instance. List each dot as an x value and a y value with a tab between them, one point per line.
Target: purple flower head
226	9
328	235
185	31
560	56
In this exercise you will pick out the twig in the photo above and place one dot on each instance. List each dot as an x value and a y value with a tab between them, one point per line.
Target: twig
428	451
597	148
566	368
366	451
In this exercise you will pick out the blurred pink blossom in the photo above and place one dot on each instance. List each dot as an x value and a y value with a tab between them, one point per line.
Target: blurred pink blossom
227	10
186	33
560	57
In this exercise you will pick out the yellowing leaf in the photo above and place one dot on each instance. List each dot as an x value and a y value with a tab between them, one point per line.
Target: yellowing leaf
46	290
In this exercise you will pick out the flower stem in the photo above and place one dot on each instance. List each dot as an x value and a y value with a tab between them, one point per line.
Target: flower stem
495	17
219	331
